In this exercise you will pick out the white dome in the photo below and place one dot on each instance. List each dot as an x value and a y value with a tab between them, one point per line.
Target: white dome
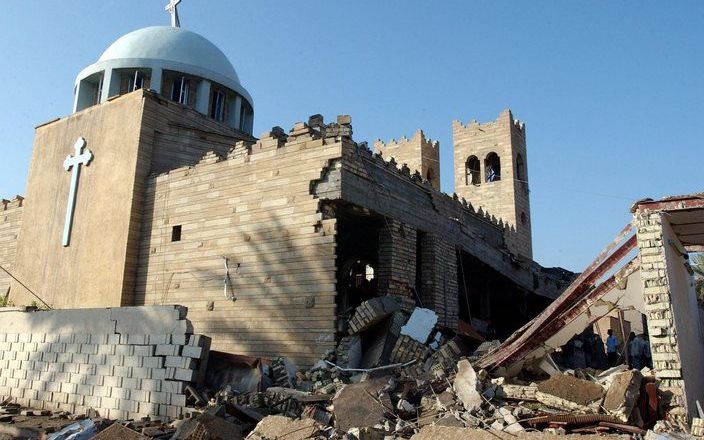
171	44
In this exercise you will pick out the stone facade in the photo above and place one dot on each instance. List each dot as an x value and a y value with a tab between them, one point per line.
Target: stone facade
10	224
504	192
178	209
418	153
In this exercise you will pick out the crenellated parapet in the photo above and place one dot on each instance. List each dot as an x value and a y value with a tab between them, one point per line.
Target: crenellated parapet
418	153
14	203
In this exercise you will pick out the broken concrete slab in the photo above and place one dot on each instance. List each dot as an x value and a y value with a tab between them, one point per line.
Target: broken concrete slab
623	393
579	391
467	386
208	426
283	428
117	431
361	405
420	325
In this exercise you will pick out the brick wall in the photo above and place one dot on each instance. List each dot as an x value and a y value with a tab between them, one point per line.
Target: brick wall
397	262
439	288
674	324
10	223
125	363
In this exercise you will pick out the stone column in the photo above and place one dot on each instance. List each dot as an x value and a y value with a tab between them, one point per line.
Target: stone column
203	97
397	262
439	288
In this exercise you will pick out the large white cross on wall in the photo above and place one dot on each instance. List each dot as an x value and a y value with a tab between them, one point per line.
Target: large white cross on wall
172	9
73	164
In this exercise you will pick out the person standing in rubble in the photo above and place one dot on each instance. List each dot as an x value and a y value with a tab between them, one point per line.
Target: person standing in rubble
611	348
635	352
646	356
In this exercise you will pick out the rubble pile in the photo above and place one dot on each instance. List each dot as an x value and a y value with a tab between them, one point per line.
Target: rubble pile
398	375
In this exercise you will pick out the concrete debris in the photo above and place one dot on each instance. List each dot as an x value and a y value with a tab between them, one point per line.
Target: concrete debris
434	392
284	428
467	386
623	394
420	325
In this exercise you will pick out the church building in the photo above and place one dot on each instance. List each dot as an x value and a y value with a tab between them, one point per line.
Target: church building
154	191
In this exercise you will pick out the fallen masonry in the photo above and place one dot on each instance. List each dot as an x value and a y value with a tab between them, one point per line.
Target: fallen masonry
441	394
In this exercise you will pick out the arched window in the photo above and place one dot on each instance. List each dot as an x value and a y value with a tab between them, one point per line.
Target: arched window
520	168
492	167
471	170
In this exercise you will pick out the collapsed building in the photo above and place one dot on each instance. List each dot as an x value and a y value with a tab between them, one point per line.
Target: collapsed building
153	200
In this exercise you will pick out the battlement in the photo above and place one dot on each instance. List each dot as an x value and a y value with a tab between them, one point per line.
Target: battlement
418	138
15	202
418	153
474	127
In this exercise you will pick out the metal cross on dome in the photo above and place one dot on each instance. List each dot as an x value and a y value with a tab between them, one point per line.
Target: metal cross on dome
73	163
173	10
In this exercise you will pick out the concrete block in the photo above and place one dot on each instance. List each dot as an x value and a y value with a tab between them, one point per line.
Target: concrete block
92	401
70	388
131	383
177	399
109	403
158	397
30	346
172	386
80	338
96	359
86	368
148	408
132	361
140	373
151	385
55	367
184	375
49	357
153	362
65	358
76	399
144	350
24	356
80	358
178	338
57	347
104	370
114	360
101	391
94	380
12	337
157	373
107	349
59	397
98	339
77	378
84	389
51	337
24	337
192	352
117	414
139	395
122	371
113	339
19	374
36	337
136	339
120	393
71	347
128	405
124	350
167	350
158	339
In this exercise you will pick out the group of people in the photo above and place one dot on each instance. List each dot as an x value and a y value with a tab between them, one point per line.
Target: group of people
637	351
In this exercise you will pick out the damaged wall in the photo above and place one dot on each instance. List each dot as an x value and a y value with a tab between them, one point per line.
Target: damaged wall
255	209
674	326
126	363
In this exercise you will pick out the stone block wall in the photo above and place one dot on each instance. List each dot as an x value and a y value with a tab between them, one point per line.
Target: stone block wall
10	223
126	363
418	153
252	207
674	324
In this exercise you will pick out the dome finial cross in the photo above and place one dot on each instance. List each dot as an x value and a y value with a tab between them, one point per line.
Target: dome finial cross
171	8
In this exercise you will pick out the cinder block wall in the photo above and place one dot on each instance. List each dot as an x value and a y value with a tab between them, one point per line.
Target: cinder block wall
126	363
10	223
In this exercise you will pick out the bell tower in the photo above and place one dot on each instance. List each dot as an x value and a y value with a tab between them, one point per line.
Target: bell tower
491	172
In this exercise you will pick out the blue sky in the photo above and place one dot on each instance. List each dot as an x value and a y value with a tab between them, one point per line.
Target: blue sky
610	91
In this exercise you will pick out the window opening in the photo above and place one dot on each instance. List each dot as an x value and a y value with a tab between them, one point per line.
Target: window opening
138	82
180	90
472	171
492	165
217	111
176	233
520	168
